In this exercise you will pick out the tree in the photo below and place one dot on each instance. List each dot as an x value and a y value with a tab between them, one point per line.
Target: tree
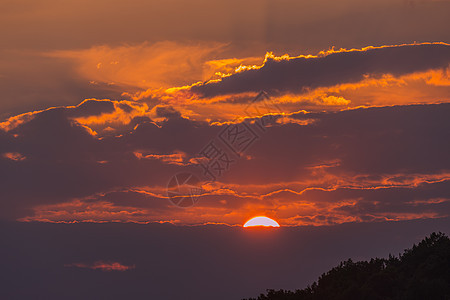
422	272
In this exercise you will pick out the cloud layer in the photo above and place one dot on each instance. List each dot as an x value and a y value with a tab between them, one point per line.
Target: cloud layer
294	75
343	136
317	168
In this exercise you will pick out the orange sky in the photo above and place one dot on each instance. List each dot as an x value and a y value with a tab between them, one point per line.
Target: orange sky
137	138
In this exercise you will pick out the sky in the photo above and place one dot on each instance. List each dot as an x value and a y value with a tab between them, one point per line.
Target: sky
195	116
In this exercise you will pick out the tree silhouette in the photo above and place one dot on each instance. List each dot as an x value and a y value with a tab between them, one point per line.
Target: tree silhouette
422	272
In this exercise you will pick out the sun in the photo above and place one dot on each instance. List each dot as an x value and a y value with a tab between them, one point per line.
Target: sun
261	222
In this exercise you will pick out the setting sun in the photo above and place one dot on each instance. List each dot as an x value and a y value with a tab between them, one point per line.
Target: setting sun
261	221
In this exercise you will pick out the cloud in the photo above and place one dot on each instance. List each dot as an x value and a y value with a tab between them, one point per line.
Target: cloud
14	156
92	107
344	200
164	64
325	167
61	69
296	74
164	74
387	83
174	158
103	266
73	159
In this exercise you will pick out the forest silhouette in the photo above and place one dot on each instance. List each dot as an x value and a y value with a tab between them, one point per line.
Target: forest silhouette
422	272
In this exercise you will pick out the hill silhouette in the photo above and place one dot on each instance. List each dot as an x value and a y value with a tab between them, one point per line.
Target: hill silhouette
422	272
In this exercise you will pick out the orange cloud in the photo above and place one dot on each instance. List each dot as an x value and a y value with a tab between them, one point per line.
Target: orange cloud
15	121
292	203
103	266
430	86
440	77
124	111
176	158
14	156
159	65
289	120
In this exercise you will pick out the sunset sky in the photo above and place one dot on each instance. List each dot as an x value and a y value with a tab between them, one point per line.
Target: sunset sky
326	116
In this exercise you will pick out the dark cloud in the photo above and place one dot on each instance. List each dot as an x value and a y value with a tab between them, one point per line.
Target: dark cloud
61	160
94	107
167	112
297	74
64	160
373	141
390	202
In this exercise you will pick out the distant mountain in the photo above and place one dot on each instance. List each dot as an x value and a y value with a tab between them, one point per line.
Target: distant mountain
422	272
